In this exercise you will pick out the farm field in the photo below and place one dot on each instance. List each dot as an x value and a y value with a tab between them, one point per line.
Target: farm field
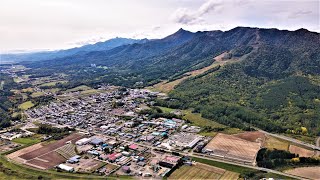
307	172
26	105
274	143
202	171
43	156
229	146
301	151
253	136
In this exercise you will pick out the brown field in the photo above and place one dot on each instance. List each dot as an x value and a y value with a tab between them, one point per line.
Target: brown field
307	172
43	156
202	171
233	147
166	86
274	143
51	147
253	136
301	151
15	155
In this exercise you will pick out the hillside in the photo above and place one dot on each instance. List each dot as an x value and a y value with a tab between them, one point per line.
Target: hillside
274	84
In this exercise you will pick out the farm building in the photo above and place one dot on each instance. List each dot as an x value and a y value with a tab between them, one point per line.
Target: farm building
83	141
65	167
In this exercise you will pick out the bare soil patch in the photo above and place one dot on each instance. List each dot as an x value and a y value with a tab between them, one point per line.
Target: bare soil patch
301	151
253	136
307	172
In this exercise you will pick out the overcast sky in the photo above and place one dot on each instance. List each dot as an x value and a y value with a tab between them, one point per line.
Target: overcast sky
58	24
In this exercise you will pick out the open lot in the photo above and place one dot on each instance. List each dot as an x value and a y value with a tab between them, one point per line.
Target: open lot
307	172
301	151
87	165
202	171
232	147
274	143
43	156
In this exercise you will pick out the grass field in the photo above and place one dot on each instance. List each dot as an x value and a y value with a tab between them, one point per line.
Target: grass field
27	140
37	94
274	143
79	88
165	109
196	119
26	105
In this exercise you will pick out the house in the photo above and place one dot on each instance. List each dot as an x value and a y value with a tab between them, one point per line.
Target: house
126	169
170	161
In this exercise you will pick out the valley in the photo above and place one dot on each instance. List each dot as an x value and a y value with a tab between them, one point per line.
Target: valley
232	104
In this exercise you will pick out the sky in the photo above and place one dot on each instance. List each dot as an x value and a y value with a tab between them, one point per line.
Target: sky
32	25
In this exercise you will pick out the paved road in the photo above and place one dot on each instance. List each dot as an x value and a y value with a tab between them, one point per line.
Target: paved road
203	156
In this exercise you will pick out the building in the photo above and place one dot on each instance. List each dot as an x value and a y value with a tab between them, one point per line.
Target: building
83	141
126	169
96	141
65	167
170	161
74	159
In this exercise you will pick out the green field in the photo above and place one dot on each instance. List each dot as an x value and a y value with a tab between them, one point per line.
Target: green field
79	88
37	94
274	143
165	109
196	119
26	105
228	167
27	140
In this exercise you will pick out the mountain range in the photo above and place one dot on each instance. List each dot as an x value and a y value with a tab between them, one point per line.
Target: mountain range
270	78
45	55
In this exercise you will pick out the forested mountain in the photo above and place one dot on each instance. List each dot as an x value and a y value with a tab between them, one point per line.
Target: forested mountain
272	83
100	46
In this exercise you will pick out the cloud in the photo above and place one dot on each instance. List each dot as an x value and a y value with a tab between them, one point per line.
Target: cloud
187	16
298	14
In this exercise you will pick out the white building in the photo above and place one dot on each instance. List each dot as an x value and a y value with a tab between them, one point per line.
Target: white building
83	141
65	167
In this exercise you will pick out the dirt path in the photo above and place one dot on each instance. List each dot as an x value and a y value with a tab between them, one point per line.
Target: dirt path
318	144
166	86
